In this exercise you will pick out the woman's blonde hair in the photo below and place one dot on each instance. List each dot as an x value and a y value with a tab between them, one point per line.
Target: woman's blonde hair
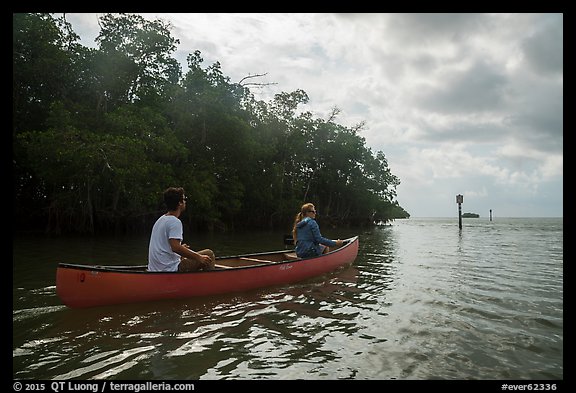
307	207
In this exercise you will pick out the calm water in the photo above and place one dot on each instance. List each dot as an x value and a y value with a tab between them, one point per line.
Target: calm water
423	300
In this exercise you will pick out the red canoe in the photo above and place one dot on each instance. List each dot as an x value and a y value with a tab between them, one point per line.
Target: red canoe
87	286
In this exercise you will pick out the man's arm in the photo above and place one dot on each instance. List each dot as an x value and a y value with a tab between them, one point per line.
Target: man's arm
186	252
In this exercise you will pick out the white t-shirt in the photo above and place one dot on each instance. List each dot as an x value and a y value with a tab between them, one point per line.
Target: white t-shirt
161	258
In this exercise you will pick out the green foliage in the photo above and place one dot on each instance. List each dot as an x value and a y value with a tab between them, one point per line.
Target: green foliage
41	63
100	133
135	62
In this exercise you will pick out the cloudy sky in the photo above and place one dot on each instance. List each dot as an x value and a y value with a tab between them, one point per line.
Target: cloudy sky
467	104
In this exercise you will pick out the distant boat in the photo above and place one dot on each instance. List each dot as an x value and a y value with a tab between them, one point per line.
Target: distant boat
470	215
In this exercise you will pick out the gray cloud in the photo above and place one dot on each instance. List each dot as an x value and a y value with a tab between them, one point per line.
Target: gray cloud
544	49
477	89
432	28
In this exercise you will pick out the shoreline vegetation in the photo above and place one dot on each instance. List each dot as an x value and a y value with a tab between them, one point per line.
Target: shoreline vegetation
99	134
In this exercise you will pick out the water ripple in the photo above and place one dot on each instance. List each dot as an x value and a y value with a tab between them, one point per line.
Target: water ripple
422	301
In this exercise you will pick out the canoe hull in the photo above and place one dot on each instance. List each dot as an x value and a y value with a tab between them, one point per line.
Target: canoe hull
80	286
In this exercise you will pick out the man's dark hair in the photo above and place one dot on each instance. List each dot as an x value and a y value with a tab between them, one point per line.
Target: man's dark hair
172	197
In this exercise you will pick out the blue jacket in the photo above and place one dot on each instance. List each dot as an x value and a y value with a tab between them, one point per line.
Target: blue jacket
308	239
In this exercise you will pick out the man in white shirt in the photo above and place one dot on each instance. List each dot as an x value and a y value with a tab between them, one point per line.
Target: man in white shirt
166	253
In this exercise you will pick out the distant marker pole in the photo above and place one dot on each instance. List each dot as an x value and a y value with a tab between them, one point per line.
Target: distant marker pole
490	214
460	201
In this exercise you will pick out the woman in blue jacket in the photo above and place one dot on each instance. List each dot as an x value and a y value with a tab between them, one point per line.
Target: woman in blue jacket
306	234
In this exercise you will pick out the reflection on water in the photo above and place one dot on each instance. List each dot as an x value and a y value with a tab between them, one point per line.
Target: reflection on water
423	300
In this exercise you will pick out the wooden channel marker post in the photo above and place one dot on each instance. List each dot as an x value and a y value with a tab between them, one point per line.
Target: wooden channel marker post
460	201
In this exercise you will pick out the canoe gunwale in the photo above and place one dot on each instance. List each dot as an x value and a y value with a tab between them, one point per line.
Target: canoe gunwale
141	269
